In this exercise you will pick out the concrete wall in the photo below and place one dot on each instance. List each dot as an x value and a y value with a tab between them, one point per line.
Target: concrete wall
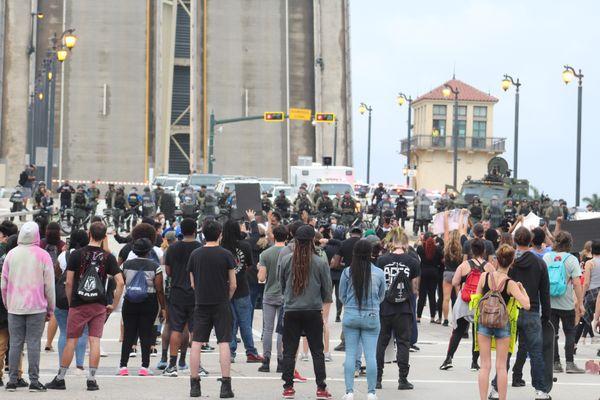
15	89
111	50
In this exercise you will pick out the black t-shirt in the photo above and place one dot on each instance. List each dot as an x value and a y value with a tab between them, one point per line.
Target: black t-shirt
124	252
210	267
177	257
346	250
243	260
393	264
434	263
80	260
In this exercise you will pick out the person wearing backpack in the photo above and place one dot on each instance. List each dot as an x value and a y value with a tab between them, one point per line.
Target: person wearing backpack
143	294
362	289
401	271
88	270
496	318
564	272
467	274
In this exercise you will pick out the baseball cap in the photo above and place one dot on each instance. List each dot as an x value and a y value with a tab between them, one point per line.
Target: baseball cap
305	232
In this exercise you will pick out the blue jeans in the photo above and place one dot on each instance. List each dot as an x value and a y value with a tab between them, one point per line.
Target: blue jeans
61	320
241	309
360	328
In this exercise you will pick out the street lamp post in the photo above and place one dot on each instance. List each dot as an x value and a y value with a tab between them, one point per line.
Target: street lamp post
362	109
568	74
506	83
447	91
401	100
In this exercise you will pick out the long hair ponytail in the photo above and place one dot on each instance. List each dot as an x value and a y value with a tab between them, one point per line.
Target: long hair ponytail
360	270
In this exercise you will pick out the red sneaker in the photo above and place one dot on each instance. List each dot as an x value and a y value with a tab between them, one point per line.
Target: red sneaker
253	359
323	394
289	393
298	377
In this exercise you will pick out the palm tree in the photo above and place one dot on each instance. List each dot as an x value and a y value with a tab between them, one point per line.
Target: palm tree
594	201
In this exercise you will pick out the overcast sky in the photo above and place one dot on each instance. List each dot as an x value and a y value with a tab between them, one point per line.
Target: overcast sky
410	46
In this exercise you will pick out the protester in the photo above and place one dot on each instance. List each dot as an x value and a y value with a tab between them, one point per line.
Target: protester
591	288
431	261
362	289
28	295
212	271
306	284
87	272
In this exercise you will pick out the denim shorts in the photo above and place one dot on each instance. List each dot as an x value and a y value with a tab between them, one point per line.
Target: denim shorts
498	333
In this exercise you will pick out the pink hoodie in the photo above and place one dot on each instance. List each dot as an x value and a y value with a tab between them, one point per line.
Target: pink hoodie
28	275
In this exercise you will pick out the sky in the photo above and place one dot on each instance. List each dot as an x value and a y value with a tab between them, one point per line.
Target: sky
414	46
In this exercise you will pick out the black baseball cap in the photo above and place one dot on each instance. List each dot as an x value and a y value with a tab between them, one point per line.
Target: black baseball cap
305	232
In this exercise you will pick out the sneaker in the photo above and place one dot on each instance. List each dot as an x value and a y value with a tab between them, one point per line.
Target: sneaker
162	365
253	359
298	377
328	357
348	396
202	371
133	353
340	347
207	348
518	382
265	367
338	319
289	393
493	394
465	335
279	367
92	385
445	323
447	364
304	356
371	396
474	366
48	349
362	371
145	372
541	395
123	371
56	384
11	387
572	368
79	371
170	371
323	394
414	348
404	384
195	390
153	353
22	383
558	367
183	368
103	354
356	373
36	387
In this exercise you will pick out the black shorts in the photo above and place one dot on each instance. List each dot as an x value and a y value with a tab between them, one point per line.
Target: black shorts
180	315
214	316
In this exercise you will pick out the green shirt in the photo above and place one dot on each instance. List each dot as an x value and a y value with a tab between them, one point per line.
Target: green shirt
268	259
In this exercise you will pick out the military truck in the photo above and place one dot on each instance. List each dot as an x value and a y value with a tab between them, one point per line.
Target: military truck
497	182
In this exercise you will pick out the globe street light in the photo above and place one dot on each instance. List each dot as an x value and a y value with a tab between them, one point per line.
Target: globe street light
447	91
362	110
401	99
568	75
506	84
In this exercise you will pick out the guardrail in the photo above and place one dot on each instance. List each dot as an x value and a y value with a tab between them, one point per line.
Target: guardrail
469	143
19	214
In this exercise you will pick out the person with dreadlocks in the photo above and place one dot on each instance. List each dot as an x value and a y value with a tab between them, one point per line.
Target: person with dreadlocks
306	284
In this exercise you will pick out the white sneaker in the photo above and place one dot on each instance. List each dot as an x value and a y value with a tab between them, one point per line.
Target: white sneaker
348	396
371	396
103	353
493	395
328	357
304	356
541	395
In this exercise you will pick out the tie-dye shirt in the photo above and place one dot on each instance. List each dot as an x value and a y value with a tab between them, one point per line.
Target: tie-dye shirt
28	275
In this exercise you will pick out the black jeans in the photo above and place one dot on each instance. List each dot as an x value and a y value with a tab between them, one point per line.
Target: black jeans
338	302
462	326
138	321
567	319
427	289
584	329
296	324
400	325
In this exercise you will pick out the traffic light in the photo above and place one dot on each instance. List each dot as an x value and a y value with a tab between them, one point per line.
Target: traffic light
274	116
325	117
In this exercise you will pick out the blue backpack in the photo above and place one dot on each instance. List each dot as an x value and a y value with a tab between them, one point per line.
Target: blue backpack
137	289
557	274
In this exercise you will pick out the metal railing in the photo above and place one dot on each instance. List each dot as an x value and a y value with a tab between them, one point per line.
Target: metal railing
471	143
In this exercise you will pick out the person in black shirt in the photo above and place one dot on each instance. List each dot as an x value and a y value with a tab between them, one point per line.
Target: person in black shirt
241	305
181	298
66	192
431	261
212	270
397	317
340	261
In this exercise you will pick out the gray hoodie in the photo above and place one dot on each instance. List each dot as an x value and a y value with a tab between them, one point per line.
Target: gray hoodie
317	291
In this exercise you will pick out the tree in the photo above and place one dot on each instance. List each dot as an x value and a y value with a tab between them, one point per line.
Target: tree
594	201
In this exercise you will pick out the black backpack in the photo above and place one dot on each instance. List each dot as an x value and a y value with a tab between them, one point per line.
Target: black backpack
399	290
61	292
23	178
90	288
